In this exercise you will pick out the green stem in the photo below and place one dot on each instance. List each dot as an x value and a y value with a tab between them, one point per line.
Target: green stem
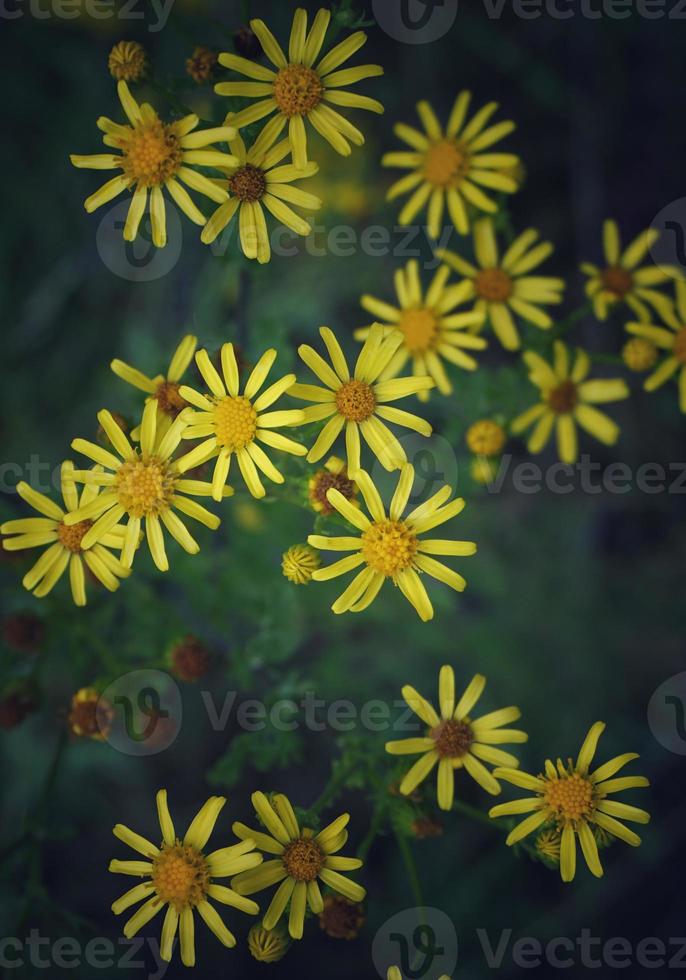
329	793
562	326
411	868
474	814
374	827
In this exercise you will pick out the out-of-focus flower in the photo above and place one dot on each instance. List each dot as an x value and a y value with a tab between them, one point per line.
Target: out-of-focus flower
341	918
449	167
483	470
302	859
455	740
672	341
154	155
23	632
334	475
393	973
485	438
144	485
260	180
575	800
302	88
64	532
246	43
127	61
190	659
299	562
431	331
180	876
426	827
568	400
201	64
90	716
502	287
16	705
230	423
390	546
621	281
268	945
163	388
357	402
639	354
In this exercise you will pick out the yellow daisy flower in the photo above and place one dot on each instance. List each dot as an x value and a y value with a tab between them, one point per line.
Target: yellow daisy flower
450	166
65	540
357	402
302	88
260	180
232	423
127	60
502	287
390	546
298	563
575	801
182	878
454	740
164	389
430	331
302	859
567	400
672	340
621	281
143	484
155	155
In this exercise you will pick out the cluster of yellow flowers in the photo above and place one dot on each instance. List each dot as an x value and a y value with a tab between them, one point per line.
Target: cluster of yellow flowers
143	481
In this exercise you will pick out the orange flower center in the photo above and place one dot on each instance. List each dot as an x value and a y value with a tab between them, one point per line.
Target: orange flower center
419	328
570	798
679	349
303	859
564	398
70	536
168	398
152	153
452	738
235	422
248	183
180	875
389	547
356	400
493	285
297	90
144	486
617	280
446	163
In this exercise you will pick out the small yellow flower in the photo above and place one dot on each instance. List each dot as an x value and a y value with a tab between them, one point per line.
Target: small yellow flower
620	279
155	155
90	716
334	475
547	846
357	402
261	180
502	287
449	167
164	389
567	400
302	859
182	877
302	88
455	740
127	61
390	547
66	539
299	562
672	341
639	354
231	423
267	945
483	470
429	329
200	66
575	800
485	438
145	485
